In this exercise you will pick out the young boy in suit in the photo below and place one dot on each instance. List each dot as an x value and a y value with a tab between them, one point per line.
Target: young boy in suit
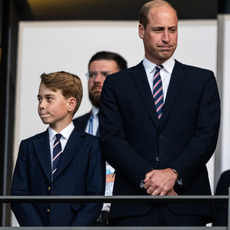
47	165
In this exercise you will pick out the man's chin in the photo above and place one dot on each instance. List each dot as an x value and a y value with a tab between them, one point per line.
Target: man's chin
95	99
97	93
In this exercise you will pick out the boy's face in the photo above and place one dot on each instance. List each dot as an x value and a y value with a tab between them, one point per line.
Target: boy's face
53	108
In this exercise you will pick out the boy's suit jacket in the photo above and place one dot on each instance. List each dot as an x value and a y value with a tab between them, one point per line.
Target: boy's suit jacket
81	171
134	142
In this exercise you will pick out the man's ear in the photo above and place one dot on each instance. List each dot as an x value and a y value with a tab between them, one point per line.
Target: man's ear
141	31
72	103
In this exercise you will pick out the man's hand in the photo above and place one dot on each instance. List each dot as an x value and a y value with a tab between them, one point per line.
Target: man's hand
160	182
171	193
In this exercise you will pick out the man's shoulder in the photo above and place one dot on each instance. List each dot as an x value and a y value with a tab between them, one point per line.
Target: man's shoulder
191	67
226	174
81	121
86	115
126	73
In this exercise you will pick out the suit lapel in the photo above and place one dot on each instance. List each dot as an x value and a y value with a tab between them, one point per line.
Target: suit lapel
142	84
177	78
73	144
42	149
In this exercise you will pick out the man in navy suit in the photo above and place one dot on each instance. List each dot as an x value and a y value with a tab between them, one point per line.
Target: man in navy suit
160	146
100	65
80	169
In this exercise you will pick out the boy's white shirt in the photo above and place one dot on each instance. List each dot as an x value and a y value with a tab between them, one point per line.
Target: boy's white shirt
65	136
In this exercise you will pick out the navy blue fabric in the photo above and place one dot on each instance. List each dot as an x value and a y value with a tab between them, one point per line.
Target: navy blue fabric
134	142
81	171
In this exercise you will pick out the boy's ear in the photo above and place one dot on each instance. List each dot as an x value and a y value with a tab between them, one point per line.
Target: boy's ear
72	102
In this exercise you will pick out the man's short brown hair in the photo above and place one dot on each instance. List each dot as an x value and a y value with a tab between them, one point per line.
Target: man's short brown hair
69	84
144	12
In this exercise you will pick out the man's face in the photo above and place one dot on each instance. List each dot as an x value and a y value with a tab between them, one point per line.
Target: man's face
98	70
160	35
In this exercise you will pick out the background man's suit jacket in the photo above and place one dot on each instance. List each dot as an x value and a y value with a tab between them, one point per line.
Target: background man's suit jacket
82	121
81	171
134	142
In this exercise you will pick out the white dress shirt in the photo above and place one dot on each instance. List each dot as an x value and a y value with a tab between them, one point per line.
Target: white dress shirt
65	136
165	73
95	111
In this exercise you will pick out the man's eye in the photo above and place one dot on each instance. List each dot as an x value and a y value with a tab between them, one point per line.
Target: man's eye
105	74
157	29
92	75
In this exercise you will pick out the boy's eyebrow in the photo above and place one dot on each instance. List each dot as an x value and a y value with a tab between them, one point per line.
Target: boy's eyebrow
46	95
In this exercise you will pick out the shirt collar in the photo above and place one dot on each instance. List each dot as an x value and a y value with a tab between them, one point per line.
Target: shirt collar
65	132
168	65
95	111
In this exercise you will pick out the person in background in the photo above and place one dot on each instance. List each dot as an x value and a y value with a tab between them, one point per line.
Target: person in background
159	124
100	66
221	208
62	161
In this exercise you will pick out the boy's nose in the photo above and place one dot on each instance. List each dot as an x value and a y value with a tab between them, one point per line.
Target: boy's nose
41	105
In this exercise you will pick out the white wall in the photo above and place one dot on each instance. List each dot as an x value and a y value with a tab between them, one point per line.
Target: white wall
223	150
55	46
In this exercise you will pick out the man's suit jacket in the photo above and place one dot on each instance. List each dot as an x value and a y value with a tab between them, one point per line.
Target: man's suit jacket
134	142
82	121
81	171
221	208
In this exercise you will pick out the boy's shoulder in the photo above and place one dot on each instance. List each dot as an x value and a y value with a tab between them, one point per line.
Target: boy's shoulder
37	136
77	132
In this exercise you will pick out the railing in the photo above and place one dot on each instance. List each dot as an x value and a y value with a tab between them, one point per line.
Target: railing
115	199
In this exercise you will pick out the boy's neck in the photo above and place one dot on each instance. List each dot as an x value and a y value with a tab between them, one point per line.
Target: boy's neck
58	127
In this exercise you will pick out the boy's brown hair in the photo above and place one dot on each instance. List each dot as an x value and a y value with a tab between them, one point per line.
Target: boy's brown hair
69	84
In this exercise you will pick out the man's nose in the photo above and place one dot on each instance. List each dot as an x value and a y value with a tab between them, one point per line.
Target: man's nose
99	77
166	36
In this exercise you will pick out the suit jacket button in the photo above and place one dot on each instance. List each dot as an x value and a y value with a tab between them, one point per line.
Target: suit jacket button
160	137
158	159
48	210
48	188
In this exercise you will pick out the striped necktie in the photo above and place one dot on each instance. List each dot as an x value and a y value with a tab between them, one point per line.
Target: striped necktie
57	151
158	91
